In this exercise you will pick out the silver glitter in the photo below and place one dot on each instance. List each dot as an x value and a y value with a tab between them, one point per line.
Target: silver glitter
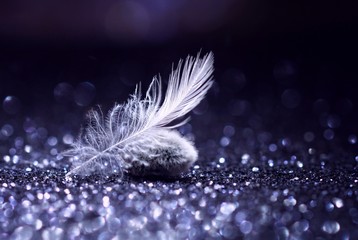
331	227
11	105
224	141
246	227
299	164
245	158
352	139
53	233
301	226
7	130
272	147
229	131
23	233
227	208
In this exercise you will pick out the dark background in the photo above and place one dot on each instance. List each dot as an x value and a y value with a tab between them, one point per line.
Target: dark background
94	53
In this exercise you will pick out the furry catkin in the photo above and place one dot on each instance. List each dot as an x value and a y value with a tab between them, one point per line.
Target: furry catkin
138	137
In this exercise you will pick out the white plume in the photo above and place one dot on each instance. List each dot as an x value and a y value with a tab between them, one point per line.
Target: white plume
138	137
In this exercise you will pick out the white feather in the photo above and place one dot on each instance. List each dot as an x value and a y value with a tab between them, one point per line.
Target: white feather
137	137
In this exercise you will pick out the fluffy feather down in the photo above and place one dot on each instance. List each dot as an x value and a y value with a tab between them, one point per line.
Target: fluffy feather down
138	136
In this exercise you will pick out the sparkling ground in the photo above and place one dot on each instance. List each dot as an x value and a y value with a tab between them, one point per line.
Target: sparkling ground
277	143
287	201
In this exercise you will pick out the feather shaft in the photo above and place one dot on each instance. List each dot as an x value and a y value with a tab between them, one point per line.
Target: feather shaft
142	122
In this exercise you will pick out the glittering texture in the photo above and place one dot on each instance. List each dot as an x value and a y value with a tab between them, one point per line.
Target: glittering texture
282	198
276	136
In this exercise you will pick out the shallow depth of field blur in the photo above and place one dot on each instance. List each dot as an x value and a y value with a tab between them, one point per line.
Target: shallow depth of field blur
277	133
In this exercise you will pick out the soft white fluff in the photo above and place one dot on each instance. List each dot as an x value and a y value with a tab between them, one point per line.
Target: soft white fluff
138	137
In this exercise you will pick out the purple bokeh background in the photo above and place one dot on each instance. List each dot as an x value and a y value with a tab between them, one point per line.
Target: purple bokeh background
294	58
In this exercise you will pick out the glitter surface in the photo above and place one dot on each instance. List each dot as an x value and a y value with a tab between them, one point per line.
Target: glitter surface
230	198
277	143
